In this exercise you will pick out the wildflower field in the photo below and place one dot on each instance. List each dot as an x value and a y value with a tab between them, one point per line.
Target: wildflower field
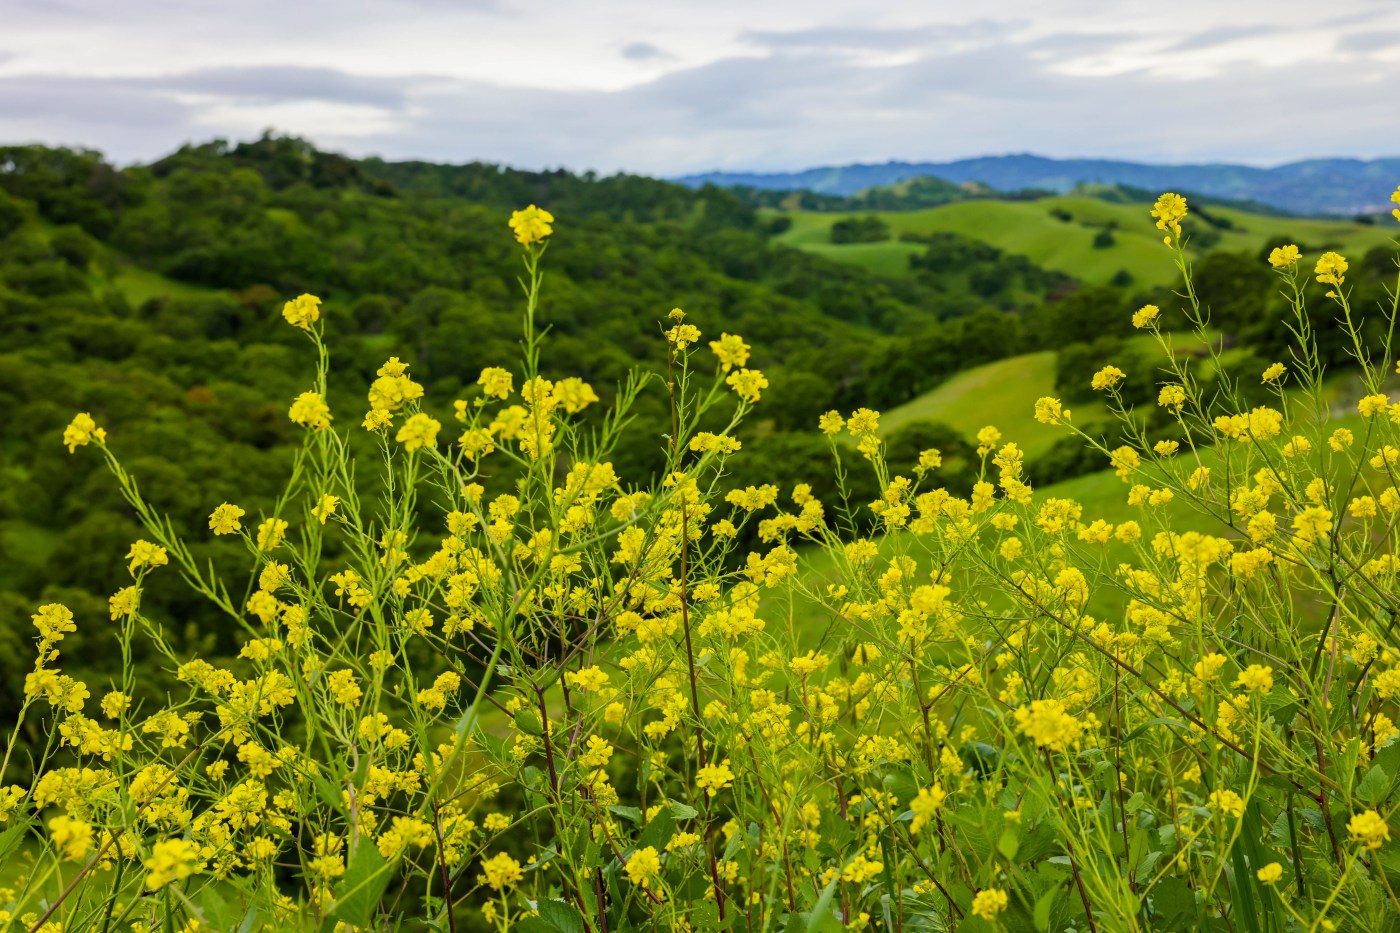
591	701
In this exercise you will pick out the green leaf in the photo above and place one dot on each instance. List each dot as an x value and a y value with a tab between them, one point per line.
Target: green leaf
658	831
363	885
901	783
532	925
216	909
1246	906
1043	905
1374	786
1009	842
631	814
11	838
821	919
1173	901
528	721
1159	721
250	920
561	917
683	812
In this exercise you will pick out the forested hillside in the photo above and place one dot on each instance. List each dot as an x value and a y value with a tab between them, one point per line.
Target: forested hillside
149	295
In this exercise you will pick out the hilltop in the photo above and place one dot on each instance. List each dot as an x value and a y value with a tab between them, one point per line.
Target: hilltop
1097	236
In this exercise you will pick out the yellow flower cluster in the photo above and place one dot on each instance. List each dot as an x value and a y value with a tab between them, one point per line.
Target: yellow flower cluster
513	662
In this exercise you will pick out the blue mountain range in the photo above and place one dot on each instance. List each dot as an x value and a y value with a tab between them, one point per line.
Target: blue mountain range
1314	186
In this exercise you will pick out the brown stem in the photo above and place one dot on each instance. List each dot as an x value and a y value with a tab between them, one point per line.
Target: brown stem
600	894
442	869
575	889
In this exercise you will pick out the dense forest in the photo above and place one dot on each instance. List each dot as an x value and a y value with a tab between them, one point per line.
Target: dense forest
148	296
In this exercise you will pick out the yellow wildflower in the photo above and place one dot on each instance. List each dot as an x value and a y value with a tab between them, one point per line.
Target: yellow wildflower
531	225
302	311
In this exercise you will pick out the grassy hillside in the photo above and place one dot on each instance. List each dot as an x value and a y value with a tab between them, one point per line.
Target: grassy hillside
1001	393
1032	229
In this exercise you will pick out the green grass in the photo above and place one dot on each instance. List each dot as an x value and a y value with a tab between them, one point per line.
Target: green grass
1028	228
29	544
1002	393
140	285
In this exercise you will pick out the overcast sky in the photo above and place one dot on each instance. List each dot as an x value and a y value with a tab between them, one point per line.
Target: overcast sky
673	86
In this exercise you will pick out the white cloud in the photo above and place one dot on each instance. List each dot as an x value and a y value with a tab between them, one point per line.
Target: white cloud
689	85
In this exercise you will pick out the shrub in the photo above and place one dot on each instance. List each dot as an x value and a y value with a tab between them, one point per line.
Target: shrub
581	705
867	229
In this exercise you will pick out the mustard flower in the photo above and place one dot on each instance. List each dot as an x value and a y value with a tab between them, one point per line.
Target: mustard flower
1049	411
1273	373
1373	405
730	350
644	865
82	431
310	410
988	903
1284	256
225	519
271	533
1145	316
1227	802
682	335
1170	210
170	860
1368	830
714	778
325	508
1256	677
831	423
71	836
748	384
531	225
1270	873
926	805
1107	378
500	872
418	431
145	554
496	382
1331	268
589	679
1047	724
302	311
53	620
344	688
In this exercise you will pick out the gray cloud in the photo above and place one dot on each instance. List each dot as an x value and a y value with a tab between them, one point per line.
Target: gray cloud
644	52
95	102
809	101
1369	41
862	39
1223	35
276	83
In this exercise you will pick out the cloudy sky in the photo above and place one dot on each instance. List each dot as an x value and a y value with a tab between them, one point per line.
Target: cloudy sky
672	86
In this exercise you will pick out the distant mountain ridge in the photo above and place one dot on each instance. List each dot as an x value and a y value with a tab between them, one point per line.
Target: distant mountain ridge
1313	186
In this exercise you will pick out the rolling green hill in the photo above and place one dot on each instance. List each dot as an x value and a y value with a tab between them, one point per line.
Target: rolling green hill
1000	393
1033	229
